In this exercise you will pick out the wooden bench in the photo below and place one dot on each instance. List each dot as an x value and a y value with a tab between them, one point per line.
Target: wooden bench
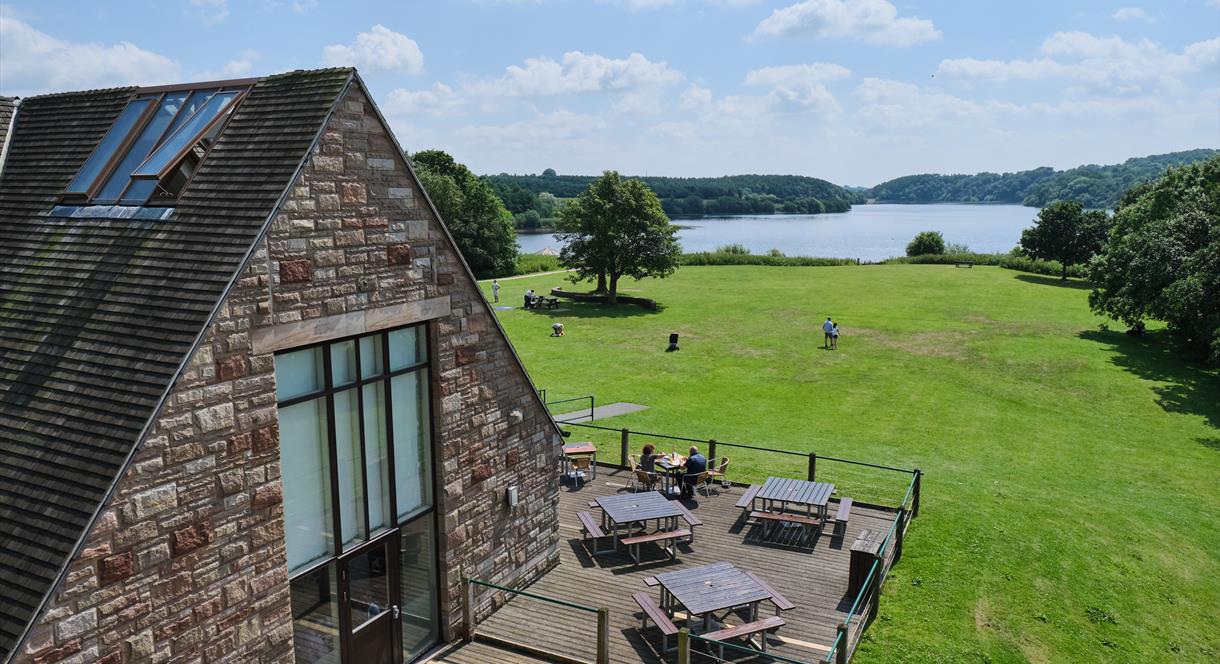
747	630
667	536
842	515
746	502
657	616
690	519
590	529
963	264
808	524
652	581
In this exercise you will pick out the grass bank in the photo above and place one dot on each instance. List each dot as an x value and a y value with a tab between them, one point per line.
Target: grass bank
1072	476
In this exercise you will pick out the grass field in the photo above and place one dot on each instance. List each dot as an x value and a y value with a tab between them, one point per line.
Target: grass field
1071	498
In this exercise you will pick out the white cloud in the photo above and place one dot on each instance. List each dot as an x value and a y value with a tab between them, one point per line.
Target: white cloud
870	21
210	12
1132	14
695	97
579	72
792	75
378	49
559	128
645	5
886	103
35	62
1108	62
439	100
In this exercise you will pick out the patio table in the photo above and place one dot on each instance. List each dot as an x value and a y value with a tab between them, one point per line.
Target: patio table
581	449
673	467
625	509
703	591
784	490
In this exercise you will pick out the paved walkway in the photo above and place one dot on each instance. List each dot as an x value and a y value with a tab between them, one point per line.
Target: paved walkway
600	412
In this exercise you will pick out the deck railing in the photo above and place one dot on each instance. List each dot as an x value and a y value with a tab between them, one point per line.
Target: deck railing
864	607
688	655
603	621
589	397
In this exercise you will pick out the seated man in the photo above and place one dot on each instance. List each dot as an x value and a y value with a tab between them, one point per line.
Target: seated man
529	299
696	464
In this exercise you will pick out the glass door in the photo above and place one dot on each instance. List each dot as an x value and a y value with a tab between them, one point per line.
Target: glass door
369	590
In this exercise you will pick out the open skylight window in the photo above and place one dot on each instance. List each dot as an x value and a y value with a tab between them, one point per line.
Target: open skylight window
155	146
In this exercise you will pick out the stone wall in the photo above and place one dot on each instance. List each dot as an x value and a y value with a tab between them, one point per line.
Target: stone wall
187	561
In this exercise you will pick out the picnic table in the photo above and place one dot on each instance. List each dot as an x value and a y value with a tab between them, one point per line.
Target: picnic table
581	449
624	511
784	490
704	591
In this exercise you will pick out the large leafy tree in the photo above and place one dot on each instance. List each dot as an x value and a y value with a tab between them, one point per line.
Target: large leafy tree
617	228
1064	231
1162	260
478	220
926	242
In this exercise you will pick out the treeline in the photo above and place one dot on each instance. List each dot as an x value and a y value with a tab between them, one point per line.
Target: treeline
1092	186
731	194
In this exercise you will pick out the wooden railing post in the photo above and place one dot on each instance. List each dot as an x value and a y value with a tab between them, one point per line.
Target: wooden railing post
875	592
683	646
626	446
841	650
915	500
711	453
898	531
603	635
813	466
468	613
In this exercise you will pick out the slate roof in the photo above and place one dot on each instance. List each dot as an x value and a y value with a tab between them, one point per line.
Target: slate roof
97	315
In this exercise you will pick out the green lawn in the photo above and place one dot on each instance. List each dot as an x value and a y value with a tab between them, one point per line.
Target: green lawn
1071	497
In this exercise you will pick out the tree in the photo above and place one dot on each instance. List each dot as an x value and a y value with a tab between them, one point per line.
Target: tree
1063	231
617	228
1162	259
927	242
548	173
469	207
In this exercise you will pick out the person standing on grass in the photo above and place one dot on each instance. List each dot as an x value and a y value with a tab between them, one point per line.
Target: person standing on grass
834	337
828	329
495	290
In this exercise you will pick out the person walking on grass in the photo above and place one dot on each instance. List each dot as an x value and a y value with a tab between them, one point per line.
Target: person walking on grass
834	337
828	329
495	290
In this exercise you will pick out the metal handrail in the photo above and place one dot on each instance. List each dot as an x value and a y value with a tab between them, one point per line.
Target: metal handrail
587	396
543	598
733	646
834	646
741	445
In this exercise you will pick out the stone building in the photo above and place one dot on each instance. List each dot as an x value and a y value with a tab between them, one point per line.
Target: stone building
253	406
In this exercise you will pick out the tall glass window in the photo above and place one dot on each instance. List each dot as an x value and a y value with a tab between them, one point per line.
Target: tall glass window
356	460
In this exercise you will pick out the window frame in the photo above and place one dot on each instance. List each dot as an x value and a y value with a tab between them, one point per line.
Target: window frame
327	393
157	95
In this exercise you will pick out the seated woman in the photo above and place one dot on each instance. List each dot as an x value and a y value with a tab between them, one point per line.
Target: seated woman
648	460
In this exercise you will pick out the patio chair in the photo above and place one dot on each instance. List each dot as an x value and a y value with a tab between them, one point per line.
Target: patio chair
721	472
580	466
645	479
704	481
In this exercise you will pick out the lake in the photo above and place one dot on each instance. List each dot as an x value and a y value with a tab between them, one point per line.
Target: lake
867	232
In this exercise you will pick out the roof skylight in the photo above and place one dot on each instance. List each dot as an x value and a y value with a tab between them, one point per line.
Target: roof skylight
155	145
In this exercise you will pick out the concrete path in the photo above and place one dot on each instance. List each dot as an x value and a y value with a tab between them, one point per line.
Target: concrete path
600	412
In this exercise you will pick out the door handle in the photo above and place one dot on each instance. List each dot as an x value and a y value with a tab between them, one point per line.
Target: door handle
394	610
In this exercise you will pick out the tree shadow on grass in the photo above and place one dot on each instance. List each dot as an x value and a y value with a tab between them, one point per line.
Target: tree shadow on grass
573	309
1191	389
1042	280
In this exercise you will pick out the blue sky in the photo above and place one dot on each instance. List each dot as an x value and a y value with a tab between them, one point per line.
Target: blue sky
854	91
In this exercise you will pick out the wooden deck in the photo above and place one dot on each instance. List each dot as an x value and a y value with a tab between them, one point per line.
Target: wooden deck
814	579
